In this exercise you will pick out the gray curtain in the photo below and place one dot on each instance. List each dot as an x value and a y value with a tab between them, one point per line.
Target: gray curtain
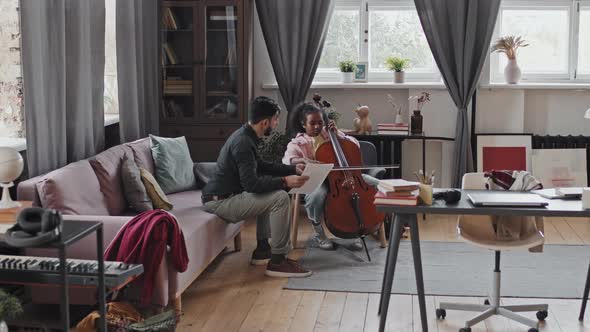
63	74
459	34
294	32
137	68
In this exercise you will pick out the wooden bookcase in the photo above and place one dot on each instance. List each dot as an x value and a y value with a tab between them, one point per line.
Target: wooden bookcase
205	64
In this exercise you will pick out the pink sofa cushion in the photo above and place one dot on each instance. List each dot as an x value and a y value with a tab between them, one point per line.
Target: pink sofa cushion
73	189
107	166
142	153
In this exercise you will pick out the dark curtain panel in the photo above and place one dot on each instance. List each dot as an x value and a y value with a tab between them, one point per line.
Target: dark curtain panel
459	34
294	32
137	68
63	74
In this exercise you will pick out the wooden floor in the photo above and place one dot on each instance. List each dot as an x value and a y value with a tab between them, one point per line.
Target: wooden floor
232	295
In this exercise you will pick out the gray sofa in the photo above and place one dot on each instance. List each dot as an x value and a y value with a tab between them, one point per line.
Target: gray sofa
86	193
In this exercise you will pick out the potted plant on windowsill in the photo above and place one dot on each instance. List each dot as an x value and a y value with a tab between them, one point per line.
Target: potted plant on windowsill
347	68
397	65
509	45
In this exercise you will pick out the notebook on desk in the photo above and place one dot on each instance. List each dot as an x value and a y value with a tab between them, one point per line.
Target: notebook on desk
506	199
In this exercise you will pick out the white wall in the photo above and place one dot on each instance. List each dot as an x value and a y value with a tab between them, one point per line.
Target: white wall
499	110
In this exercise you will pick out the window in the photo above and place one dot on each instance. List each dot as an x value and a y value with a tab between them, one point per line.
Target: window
342	41
584	43
398	32
547	31
558	32
370	31
111	95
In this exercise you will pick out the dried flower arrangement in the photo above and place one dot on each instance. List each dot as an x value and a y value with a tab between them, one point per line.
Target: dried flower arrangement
397	109
509	45
421	99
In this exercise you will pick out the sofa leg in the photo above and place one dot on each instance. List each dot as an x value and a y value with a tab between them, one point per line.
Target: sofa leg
238	242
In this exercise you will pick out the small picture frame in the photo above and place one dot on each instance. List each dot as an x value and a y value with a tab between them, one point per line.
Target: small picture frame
361	72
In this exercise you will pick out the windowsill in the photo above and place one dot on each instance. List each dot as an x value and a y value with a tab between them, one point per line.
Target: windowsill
20	144
540	85
110	119
368	85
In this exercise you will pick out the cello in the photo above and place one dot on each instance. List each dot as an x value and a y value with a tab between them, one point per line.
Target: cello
349	210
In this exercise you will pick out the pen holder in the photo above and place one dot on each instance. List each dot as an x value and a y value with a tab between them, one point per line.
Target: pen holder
586	198
426	193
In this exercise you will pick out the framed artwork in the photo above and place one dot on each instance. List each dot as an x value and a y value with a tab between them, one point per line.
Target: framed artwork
504	152
560	167
360	73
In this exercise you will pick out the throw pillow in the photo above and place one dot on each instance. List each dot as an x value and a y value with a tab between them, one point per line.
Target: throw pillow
159	199
133	187
173	164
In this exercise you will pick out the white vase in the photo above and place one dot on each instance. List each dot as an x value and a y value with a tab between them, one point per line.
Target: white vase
398	118
399	76
512	72
347	77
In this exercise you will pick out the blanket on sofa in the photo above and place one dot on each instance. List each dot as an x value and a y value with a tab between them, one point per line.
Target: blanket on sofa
143	240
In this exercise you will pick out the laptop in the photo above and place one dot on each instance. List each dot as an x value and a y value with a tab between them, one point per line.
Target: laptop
506	199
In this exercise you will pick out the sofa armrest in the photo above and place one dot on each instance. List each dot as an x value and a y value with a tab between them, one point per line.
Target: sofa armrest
27	190
85	248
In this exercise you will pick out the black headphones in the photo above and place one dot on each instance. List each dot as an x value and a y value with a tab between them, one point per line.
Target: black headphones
34	226
452	196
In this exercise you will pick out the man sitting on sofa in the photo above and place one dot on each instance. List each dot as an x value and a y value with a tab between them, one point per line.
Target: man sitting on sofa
245	186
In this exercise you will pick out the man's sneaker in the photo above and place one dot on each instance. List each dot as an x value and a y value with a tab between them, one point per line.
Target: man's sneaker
357	245
286	268
322	242
260	256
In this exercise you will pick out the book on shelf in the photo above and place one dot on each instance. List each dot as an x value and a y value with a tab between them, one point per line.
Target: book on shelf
393	125
384	199
177	82
223	17
170	20
392	132
170	55
399	185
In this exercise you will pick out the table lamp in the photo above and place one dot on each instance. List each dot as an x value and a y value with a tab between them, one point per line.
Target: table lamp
11	166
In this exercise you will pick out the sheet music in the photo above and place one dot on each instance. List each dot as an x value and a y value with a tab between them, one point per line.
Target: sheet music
317	174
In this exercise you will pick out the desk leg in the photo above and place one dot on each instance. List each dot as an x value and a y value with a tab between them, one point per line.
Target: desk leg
413	221
392	251
65	303
101	287
585	297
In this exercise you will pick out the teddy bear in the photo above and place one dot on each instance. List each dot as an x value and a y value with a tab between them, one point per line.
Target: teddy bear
362	124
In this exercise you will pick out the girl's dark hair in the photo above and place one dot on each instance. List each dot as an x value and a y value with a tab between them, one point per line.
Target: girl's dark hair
301	112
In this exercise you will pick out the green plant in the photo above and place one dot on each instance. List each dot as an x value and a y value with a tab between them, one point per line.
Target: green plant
395	63
273	147
509	45
346	66
10	306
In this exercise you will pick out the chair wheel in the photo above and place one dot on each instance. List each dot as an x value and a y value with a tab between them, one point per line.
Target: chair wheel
486	302
441	313
532	329
467	329
541	315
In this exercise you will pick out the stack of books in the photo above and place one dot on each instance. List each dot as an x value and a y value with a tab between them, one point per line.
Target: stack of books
393	128
397	192
178	87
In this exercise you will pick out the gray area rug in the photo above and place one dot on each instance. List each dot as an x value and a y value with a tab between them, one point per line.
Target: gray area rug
453	269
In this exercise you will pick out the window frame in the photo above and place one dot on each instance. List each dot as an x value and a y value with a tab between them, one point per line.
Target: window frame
364	7
571	76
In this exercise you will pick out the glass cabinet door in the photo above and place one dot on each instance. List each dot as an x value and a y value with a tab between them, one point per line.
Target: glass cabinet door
178	62
221	64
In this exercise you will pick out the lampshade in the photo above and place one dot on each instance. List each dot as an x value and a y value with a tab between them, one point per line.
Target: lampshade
11	166
587	115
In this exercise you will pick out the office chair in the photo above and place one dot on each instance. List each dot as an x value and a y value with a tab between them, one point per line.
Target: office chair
369	157
471	229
